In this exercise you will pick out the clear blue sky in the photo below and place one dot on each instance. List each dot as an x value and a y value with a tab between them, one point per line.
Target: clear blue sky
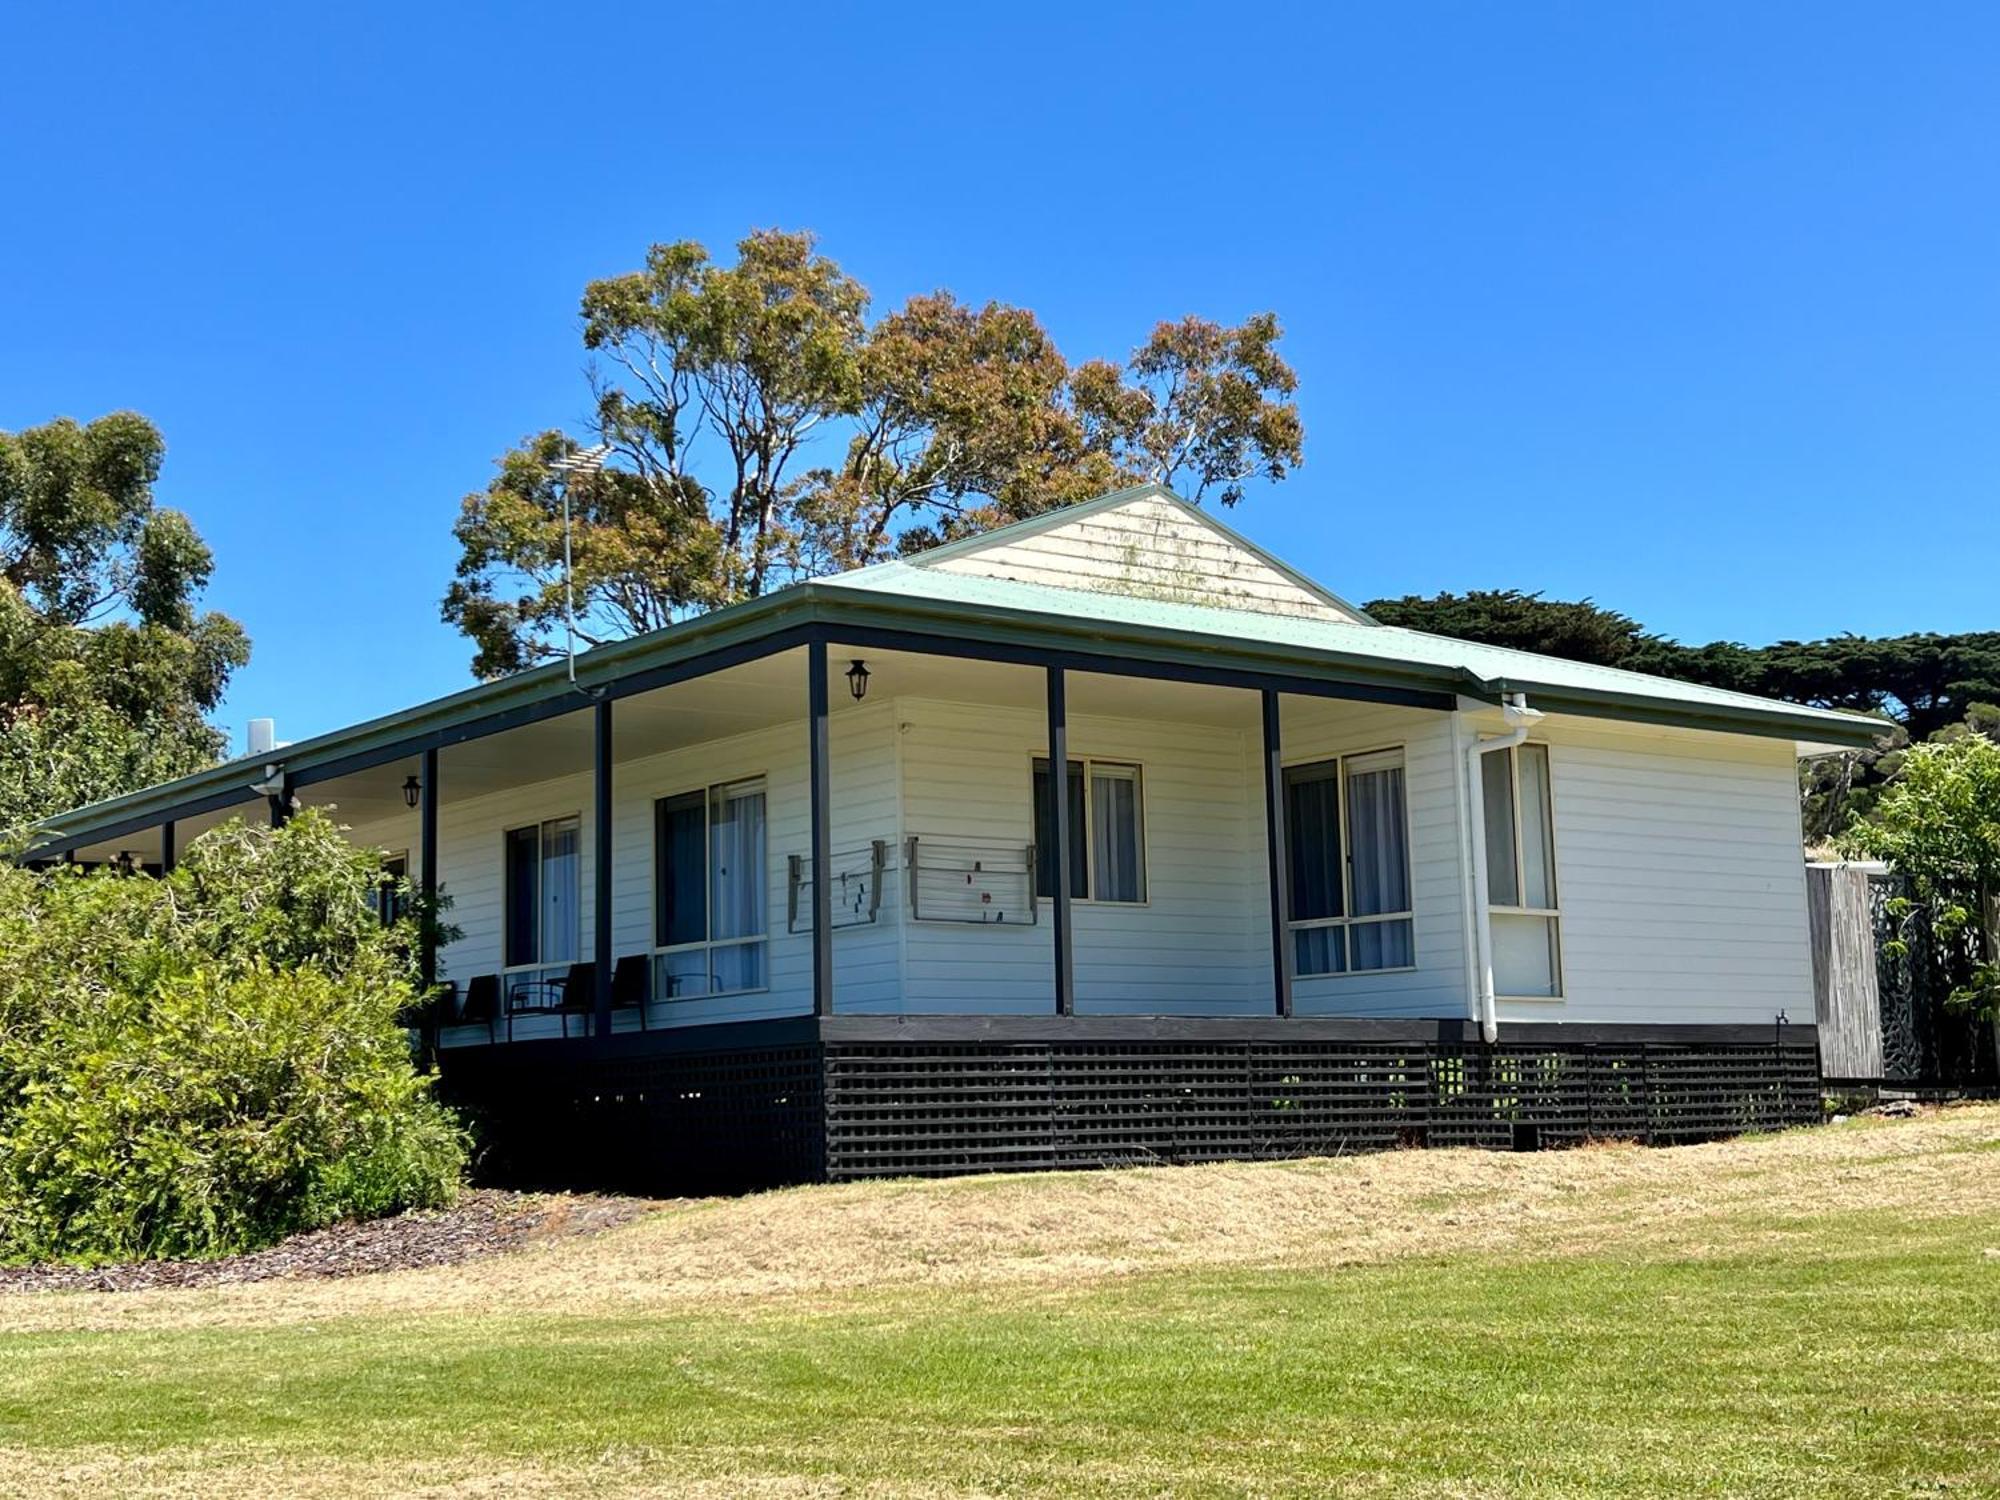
1694	309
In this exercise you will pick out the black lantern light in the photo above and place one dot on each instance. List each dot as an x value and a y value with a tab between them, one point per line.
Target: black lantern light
857	679
412	789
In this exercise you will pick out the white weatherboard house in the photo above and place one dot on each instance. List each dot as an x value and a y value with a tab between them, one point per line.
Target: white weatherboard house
1102	837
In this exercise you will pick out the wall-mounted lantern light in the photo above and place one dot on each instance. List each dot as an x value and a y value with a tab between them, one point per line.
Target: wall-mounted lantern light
412	789
857	679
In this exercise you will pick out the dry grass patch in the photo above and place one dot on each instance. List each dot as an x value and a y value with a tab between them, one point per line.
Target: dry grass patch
1064	1230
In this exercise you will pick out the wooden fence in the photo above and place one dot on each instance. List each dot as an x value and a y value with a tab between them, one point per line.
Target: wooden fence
1881	988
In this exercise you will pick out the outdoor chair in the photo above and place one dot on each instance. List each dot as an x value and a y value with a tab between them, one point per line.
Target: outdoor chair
576	994
482	1004
630	981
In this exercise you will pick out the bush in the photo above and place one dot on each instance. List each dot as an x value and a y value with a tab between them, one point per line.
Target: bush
1938	826
208	1062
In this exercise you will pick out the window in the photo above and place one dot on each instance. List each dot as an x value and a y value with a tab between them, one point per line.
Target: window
1107	820
542	928
391	901
1521	873
1350	875
709	872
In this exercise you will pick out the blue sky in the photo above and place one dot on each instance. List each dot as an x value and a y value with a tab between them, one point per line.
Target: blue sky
1694	309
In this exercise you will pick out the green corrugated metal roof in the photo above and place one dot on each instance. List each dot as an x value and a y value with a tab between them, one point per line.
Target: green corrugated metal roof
1494	667
934	600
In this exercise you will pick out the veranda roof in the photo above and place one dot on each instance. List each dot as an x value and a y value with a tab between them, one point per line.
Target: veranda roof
908	596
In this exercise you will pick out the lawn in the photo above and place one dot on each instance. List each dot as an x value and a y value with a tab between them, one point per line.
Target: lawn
1816	1313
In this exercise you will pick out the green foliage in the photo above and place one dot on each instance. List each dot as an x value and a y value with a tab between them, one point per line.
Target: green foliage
106	669
66	757
207	1062
1924	682
716	386
1578	631
1938	826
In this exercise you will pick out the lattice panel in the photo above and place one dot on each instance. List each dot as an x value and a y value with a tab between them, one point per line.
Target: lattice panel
938	1108
755	1116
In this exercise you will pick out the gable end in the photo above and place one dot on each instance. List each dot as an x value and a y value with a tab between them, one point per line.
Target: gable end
1145	543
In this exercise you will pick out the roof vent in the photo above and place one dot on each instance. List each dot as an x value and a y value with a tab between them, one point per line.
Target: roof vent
263	736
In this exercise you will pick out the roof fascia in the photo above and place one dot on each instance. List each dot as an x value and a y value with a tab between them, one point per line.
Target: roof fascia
621	668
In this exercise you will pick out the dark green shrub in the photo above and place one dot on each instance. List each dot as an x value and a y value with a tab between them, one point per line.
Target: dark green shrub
206	1063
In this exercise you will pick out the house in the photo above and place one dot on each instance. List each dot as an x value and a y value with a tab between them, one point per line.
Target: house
1105	836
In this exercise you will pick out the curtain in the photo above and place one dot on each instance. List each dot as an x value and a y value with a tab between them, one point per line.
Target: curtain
1382	945
1538	879
561	874
1045	833
736	886
1496	774
523	913
1378	840
680	883
1319	950
1312	832
1117	836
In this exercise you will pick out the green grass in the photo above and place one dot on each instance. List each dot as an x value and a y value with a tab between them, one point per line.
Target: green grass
1851	1354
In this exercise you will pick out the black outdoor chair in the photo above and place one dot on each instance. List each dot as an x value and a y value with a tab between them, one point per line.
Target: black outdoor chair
631	980
576	994
482	1004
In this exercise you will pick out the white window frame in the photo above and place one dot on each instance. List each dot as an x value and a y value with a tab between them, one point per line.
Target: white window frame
1554	913
1309	924
540	968
707	792
1119	762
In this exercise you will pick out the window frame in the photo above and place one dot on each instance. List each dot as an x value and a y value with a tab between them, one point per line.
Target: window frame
656	950
1348	919
540	965
1130	763
1553	914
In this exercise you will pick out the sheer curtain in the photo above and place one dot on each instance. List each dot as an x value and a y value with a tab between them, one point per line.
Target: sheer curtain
1378	839
736	889
1538	876
561	874
1379	854
1117	836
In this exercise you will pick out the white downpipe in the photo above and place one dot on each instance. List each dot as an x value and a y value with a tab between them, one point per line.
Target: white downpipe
1521	718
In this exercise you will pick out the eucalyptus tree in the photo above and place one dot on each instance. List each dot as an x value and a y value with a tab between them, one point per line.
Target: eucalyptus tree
108	669
759	428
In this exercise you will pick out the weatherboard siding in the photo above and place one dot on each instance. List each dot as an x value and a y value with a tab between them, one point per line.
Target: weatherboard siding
866	958
1147	547
1679	877
1317	729
1681	888
1198	945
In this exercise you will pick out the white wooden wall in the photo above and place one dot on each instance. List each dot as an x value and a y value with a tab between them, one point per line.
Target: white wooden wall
1315	729
1680	879
1200	944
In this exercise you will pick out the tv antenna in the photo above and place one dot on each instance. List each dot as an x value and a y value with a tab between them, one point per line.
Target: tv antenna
578	461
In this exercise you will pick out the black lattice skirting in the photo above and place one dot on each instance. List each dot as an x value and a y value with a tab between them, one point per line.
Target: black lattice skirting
722	1109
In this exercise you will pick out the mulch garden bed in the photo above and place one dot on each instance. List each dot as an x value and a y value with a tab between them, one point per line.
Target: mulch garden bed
484	1221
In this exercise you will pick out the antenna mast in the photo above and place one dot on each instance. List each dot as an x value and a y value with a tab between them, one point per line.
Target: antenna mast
566	468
